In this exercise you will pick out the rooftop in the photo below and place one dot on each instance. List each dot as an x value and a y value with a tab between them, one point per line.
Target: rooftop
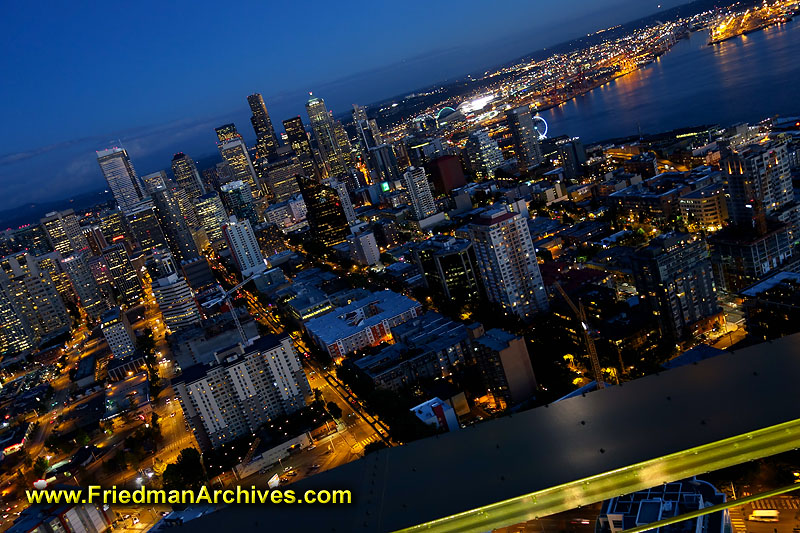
359	315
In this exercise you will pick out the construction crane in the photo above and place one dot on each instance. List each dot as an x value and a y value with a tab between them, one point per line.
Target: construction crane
225	296
580	312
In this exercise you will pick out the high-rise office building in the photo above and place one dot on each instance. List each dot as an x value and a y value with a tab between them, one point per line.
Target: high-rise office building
344	198
525	137
154	181
507	261
102	276
298	140
63	231
227	132
369	135
144	226
243	246
118	333
34	294
234	153
187	177
176	231
89	294
32	238
383	164
125	185
185	205
449	267
243	389
114	226
123	275
95	239
281	178
328	136
16	335
675	281
266	142
238	200
572	155
211	216
51	263
326	216
176	302
482	154
419	193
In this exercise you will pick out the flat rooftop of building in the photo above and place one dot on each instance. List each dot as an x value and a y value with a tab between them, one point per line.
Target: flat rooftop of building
336	324
770	282
574	439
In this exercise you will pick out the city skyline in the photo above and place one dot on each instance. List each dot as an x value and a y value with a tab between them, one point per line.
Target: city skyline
184	119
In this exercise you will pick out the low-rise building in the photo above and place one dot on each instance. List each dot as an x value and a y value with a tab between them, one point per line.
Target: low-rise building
364	322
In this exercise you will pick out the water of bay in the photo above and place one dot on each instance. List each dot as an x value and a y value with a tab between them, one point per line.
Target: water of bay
745	79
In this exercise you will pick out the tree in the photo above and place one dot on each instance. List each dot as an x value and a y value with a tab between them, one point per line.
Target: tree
187	472
40	467
334	410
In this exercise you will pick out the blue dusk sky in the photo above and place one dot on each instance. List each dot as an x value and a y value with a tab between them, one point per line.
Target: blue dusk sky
159	76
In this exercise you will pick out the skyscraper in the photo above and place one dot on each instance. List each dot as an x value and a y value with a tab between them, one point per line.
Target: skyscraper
507	262
91	298
298	140
419	193
211	216
383	164
675	281
238	200
176	231
482	154
34	294
281	178
326	216
243	246
369	135
121	177
113	226
234	152
144	226
156	180
227	132
329	139
344	198
572	155
123	275
63	231
449	267
176	302
266	142
525	137
187	177
16	335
